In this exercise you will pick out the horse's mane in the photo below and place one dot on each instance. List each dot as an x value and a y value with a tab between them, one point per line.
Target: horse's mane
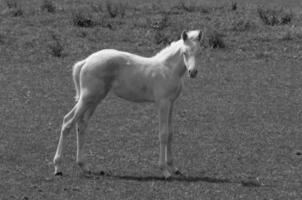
172	48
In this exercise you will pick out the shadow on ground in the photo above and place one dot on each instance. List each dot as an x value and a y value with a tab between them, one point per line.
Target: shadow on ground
247	182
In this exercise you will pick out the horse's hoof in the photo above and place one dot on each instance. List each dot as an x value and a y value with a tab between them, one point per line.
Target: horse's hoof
167	175
58	174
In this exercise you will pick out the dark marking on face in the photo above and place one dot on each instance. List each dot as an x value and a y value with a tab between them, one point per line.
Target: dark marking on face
184	36
199	36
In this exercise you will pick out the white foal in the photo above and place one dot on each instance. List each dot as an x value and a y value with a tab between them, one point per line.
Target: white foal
134	78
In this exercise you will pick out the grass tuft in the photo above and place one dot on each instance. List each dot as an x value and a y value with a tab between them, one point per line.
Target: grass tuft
240	21
111	9
215	40
234	6
82	20
115	9
56	47
14	8
11	4
161	38
274	17
161	23
49	6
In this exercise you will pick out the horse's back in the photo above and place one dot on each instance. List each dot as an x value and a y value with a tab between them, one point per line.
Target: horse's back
128	75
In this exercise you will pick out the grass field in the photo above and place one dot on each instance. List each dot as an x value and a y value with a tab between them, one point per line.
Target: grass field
237	126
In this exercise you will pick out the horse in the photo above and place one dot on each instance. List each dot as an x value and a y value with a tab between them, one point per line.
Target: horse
156	79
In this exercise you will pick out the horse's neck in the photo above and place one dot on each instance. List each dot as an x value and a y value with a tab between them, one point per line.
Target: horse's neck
176	63
172	58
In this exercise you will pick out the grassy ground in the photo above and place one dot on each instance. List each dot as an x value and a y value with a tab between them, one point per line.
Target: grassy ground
238	122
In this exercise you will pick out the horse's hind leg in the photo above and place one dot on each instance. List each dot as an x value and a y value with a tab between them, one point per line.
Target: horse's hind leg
81	127
68	122
89	101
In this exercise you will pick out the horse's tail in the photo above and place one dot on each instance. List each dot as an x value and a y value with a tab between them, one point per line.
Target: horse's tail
76	69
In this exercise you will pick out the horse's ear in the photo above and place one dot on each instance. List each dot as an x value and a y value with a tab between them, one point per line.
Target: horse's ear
184	35
200	36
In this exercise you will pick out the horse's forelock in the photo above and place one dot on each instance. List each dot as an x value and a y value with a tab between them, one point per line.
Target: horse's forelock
195	35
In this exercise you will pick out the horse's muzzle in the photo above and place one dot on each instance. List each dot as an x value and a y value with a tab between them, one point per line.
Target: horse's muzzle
193	73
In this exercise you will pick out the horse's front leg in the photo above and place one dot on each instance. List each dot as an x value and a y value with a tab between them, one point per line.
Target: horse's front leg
164	110
169	155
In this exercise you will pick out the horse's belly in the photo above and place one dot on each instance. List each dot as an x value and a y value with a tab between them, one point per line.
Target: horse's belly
131	91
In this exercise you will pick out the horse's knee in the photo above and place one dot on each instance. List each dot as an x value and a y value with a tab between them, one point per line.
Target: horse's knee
67	123
66	128
68	116
65	119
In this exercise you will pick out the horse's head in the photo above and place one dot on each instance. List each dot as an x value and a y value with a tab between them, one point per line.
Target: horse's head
191	49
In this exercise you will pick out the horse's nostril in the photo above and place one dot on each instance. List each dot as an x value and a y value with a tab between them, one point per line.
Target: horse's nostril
193	73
